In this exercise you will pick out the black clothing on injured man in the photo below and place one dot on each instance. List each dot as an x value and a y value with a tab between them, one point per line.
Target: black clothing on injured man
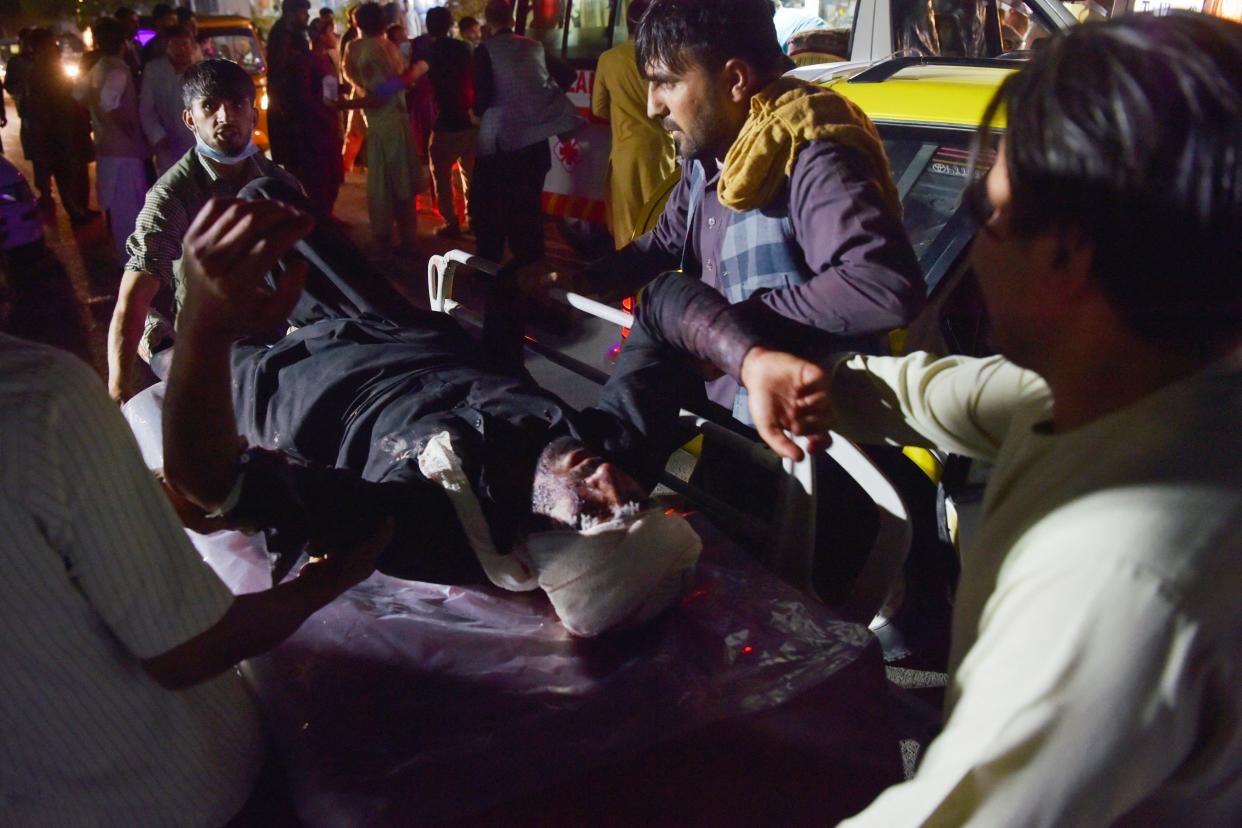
364	383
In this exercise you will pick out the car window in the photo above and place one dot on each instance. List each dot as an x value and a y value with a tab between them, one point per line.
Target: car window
932	170
943	28
1021	29
238	45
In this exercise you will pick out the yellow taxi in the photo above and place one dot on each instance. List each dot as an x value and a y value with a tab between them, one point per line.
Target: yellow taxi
237	39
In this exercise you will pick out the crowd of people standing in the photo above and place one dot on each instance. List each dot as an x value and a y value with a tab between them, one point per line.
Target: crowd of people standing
371	98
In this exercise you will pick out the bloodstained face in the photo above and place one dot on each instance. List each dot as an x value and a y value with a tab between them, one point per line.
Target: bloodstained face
576	487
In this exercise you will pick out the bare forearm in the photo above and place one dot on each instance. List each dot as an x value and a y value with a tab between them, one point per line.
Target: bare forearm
125	330
201	448
252	625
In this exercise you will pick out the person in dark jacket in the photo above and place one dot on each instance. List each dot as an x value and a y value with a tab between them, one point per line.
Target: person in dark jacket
60	128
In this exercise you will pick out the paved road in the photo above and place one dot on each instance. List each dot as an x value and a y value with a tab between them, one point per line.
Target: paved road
95	269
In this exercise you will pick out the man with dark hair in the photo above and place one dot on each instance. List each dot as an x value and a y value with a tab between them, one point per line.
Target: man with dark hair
1096	652
454	134
159	102
187	18
121	148
468	28
642	155
133	51
786	201
163	17
218	100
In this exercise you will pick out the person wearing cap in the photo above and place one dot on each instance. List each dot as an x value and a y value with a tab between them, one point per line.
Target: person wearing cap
395	410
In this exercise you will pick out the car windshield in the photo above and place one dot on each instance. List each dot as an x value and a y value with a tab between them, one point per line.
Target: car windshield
236	44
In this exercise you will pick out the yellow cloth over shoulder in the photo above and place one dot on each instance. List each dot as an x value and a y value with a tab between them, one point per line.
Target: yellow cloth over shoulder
784	117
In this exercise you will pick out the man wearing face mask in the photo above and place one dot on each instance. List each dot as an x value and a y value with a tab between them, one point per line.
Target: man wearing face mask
219	99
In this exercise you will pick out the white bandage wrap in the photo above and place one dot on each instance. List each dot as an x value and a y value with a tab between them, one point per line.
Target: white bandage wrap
439	464
615	574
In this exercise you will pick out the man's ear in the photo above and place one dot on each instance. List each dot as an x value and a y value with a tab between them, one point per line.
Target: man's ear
1071	260
188	120
739	79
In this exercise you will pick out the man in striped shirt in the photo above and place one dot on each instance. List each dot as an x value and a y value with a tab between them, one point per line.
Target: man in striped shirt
118	701
219	110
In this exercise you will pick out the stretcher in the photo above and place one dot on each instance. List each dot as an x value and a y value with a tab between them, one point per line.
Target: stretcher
790	548
406	703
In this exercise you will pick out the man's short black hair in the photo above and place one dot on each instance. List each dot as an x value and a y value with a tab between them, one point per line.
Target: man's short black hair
467	23
683	33
162	10
498	13
370	19
1127	136
439	21
216	79
185	15
635	13
327	12
124	12
109	34
294	5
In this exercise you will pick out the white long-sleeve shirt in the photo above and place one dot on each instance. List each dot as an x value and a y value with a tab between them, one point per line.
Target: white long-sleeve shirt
1096	666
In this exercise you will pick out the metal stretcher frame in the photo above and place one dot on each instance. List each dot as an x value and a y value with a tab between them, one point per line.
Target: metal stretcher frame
792	552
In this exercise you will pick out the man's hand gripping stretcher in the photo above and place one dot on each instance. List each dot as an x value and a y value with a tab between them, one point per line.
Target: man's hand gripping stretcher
233	246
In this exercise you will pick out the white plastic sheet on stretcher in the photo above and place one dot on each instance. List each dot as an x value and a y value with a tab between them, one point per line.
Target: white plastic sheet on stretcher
405	703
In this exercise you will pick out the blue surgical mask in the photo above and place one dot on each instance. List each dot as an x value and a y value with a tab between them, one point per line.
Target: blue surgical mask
219	157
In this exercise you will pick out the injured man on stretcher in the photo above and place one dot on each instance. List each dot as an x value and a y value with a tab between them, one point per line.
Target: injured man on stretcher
369	409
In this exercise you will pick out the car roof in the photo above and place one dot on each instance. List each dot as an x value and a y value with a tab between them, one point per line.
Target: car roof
941	94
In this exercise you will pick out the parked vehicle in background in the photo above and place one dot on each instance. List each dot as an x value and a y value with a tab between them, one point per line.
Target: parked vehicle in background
237	39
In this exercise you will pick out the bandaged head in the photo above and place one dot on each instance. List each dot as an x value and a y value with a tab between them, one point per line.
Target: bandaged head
614	574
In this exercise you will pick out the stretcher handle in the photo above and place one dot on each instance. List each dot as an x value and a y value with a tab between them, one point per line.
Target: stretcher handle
441	269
